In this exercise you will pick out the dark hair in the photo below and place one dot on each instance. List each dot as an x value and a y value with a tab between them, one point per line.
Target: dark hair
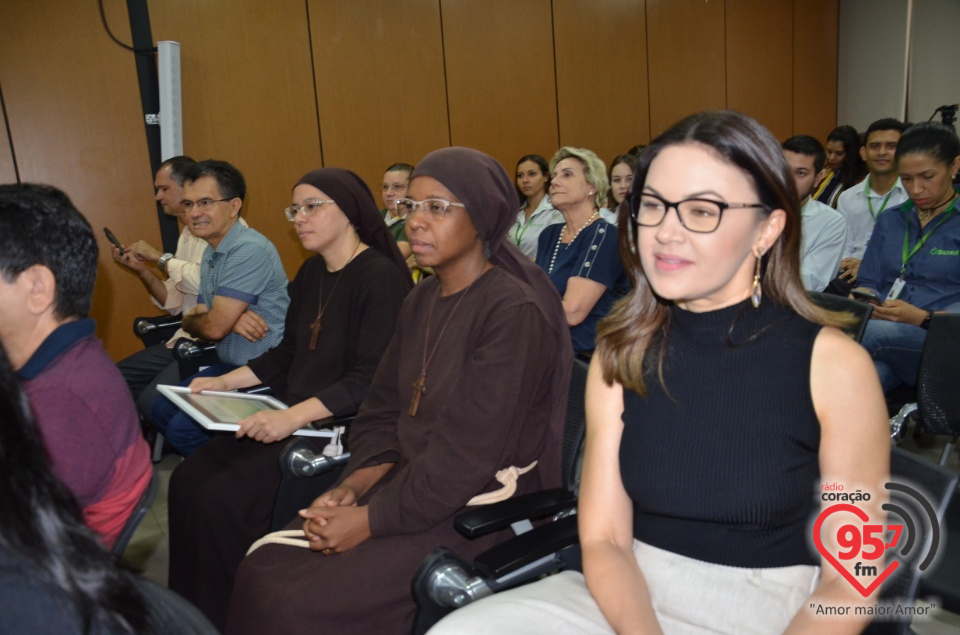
629	160
229	179
178	167
637	150
639	324
42	523
930	137
887	123
544	169
808	146
853	169
40	226
401	167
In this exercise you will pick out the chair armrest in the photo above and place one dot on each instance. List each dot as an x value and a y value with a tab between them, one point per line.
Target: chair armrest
185	349
303	456
153	330
486	519
527	548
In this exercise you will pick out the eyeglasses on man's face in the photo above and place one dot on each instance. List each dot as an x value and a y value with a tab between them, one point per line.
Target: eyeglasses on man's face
203	204
432	208
700	215
308	208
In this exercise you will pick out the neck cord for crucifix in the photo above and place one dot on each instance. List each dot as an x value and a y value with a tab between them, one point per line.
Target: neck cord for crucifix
420	386
316	326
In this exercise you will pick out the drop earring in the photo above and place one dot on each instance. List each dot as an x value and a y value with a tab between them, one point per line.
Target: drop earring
757	293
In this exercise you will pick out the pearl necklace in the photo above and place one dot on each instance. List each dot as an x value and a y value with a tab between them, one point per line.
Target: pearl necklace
556	249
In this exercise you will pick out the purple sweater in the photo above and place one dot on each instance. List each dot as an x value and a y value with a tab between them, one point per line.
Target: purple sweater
89	425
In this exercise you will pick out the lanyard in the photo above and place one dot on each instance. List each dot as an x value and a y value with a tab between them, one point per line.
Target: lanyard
520	231
886	199
907	252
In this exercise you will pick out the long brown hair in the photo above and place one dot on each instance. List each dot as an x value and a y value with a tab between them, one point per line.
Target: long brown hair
631	339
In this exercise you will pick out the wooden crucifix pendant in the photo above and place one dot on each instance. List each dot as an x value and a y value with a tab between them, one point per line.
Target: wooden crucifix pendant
315	329
419	388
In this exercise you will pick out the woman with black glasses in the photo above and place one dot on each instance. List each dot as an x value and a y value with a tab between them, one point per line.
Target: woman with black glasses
718	403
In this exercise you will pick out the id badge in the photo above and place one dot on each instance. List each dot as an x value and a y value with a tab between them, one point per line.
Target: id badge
896	289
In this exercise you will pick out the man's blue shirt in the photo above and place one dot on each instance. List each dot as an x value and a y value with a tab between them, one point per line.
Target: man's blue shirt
246	266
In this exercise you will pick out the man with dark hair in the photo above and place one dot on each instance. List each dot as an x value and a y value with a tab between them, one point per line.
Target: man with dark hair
48	265
864	202
822	229
243	288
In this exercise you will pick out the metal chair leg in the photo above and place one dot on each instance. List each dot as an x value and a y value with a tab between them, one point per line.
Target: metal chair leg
948	450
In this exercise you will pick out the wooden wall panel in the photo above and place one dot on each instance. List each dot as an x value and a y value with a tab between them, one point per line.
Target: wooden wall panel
759	38
8	172
501	86
380	83
601	58
815	46
73	105
686	53
248	98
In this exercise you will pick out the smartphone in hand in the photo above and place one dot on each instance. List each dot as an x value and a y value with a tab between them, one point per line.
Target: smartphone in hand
113	240
866	295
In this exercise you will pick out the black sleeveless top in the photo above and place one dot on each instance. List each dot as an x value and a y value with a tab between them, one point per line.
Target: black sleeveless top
723	467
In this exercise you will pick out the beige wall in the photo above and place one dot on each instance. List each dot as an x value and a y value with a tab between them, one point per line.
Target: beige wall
284	87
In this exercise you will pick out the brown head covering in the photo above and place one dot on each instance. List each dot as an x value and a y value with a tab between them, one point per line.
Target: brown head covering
483	186
354	199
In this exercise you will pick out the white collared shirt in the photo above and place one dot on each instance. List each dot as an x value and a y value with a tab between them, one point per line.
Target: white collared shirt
855	205
823	232
525	233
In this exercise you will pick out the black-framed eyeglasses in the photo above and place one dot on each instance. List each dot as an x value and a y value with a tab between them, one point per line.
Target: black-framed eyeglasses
308	208
699	215
433	208
203	204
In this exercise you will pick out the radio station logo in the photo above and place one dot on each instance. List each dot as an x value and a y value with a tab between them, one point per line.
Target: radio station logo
867	554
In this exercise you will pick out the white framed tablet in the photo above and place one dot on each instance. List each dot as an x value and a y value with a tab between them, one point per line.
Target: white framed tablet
215	410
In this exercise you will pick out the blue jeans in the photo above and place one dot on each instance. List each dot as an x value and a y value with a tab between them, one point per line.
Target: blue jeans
895	349
183	433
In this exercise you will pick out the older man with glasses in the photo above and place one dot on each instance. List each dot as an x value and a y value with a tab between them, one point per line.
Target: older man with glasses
243	288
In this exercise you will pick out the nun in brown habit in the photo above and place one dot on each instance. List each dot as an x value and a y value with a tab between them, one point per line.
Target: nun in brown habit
344	302
474	381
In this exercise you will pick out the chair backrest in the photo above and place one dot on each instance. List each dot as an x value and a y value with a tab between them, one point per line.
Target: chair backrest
938	485
575	427
938	393
143	505
861	311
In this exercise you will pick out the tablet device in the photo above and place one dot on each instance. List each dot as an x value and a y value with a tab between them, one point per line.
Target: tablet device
216	410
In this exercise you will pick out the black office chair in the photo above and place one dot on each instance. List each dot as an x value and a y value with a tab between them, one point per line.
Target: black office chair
861	311
143	506
445	582
938	391
943	579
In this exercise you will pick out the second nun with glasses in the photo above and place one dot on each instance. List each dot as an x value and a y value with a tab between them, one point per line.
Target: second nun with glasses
718	402
344	302
474	382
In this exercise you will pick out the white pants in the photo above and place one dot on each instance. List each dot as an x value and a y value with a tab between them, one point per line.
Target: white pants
690	597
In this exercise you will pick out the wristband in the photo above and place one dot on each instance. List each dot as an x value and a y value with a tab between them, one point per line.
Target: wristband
926	321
